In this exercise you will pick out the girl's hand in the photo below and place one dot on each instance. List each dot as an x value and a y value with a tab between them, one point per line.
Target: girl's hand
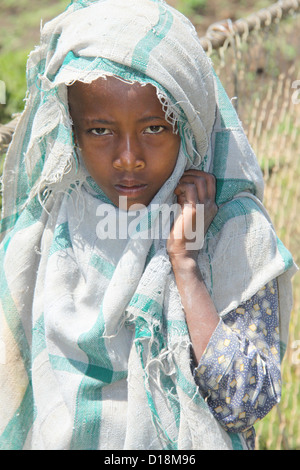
195	187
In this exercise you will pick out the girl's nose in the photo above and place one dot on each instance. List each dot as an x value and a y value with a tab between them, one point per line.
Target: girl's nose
129	155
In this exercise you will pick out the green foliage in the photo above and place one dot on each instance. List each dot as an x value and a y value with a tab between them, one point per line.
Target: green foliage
190	7
19	24
13	73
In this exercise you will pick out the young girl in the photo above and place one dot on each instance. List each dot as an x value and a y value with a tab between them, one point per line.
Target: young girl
137	341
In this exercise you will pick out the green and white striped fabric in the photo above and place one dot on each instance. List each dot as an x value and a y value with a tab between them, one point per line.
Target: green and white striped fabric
94	348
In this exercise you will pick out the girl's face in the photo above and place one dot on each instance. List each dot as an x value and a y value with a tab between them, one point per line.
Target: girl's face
127	145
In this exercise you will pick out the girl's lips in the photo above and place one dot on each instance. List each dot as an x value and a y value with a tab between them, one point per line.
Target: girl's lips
130	189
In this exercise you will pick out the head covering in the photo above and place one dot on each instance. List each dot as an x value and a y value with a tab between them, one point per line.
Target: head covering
94	347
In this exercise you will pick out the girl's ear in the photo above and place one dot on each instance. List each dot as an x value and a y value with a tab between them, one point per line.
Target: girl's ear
74	139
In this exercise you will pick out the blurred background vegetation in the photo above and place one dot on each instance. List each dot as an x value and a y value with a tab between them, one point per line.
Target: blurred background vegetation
20	27
260	74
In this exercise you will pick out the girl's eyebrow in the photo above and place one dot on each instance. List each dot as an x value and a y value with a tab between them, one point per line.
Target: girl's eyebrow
151	118
107	122
97	121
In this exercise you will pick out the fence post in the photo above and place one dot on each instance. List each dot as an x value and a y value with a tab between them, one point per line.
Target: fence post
2	92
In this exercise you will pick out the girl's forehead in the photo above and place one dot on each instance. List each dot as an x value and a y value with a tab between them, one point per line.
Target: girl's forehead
110	91
111	85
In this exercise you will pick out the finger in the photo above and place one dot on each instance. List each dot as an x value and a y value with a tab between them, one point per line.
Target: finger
211	184
200	185
208	176
186	193
204	181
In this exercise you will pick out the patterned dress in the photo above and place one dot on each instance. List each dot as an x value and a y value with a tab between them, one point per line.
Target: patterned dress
239	373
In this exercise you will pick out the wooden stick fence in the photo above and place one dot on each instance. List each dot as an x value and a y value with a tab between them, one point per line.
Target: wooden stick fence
219	33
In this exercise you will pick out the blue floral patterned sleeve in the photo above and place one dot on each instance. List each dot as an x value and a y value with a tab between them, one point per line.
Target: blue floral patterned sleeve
239	372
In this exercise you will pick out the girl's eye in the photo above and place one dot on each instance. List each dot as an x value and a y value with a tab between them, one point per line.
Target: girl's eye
154	129
100	131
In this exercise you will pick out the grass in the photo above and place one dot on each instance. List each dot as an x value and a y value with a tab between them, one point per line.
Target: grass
12	67
192	7
19	24
20	21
